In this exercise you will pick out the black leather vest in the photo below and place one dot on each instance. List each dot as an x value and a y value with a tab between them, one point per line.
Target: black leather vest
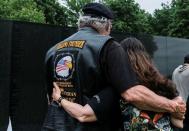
76	65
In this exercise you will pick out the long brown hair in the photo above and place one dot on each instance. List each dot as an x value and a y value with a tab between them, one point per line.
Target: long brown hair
146	71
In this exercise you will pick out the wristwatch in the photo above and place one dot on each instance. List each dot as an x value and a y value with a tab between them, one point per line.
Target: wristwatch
59	101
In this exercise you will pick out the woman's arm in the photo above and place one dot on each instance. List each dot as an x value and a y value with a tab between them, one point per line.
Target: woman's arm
81	113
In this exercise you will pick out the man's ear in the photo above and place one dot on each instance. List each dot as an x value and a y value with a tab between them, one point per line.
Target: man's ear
109	27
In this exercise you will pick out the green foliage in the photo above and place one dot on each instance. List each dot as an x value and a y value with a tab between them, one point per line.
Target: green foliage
53	11
24	10
179	26
129	17
161	20
172	20
73	9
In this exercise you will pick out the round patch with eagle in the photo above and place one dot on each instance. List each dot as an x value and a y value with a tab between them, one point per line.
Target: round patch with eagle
64	66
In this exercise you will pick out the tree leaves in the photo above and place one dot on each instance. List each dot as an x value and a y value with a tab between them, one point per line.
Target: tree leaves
24	10
129	17
172	20
54	13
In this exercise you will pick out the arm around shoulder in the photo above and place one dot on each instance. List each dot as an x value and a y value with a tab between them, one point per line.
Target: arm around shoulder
145	99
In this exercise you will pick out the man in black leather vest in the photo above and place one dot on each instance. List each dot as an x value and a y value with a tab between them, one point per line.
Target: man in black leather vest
75	65
90	60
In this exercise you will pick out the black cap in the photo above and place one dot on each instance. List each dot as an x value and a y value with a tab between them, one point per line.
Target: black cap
186	59
97	9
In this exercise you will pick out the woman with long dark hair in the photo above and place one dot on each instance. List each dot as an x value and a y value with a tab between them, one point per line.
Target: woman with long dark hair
140	120
134	118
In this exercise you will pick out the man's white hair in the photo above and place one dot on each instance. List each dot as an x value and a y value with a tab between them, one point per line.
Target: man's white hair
99	23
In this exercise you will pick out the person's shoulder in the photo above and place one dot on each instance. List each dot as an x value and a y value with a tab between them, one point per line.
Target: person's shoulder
186	69
111	44
54	48
183	68
177	68
50	53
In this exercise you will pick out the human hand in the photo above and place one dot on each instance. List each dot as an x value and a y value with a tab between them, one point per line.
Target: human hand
179	99
180	116
56	92
179	107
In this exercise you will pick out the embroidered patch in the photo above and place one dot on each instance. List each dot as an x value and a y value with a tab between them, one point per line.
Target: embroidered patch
64	66
74	44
